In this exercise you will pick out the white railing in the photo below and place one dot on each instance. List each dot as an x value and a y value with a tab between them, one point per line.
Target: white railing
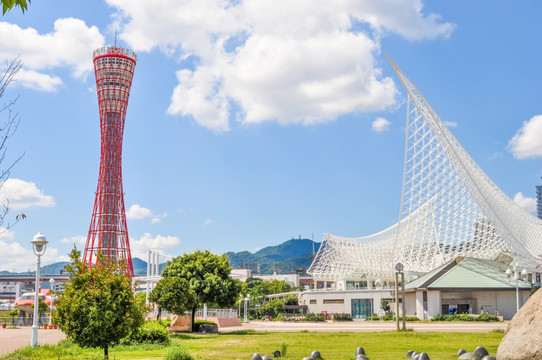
218	313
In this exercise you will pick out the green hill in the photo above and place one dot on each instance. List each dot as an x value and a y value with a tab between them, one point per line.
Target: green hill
286	257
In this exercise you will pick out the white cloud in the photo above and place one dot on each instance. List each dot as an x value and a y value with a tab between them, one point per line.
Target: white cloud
70	44
528	203
22	195
305	61
527	142
38	81
137	211
6	234
158	218
450	124
380	124
15	257
79	240
147	242
208	222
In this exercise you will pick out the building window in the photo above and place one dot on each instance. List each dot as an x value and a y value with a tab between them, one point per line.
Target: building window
334	301
313	301
362	308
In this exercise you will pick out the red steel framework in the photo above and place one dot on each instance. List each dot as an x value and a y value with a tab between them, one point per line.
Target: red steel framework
108	233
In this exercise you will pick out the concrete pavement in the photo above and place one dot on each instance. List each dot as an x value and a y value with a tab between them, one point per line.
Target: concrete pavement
13	339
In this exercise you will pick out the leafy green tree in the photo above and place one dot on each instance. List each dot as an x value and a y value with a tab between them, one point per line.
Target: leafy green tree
13	313
9	4
98	307
273	308
42	307
259	289
206	280
173	294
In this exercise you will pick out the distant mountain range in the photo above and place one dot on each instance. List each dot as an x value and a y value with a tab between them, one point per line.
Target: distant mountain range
287	257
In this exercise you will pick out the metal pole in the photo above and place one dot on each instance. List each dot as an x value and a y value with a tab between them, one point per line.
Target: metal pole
397	299
403	306
517	292
34	339
245	319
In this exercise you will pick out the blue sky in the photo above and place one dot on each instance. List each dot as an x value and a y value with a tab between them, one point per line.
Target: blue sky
252	122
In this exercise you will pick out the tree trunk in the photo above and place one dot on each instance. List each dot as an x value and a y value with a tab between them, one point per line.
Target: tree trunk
159	313
106	352
193	317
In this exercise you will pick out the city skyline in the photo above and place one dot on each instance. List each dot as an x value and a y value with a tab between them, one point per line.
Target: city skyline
260	121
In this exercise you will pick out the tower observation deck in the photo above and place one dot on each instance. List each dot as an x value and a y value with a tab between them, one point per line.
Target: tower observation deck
108	233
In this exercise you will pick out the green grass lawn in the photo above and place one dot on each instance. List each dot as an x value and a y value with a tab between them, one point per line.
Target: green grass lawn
241	345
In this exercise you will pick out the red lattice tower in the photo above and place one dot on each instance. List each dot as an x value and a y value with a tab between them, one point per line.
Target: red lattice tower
108	233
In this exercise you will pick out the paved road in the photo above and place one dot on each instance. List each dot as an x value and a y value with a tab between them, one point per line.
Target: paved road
12	339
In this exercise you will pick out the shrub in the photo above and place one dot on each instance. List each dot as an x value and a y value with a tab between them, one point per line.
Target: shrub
466	317
151	332
314	317
164	322
342	317
178	354
197	323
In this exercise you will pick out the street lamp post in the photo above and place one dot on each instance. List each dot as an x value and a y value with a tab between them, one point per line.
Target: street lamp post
517	275
52	282
240	300
39	244
247	298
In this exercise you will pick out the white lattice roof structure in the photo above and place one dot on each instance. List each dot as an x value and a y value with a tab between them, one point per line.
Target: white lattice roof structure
449	208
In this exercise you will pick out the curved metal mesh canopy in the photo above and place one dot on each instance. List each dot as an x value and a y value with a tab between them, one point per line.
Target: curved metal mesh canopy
449	208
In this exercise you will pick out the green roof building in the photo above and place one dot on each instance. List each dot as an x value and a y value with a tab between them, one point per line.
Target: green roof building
467	285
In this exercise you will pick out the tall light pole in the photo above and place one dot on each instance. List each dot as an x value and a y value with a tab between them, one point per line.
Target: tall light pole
247	299
517	275
52	282
240	301
39	244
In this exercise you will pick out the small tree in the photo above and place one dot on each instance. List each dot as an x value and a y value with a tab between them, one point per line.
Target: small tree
174	295
13	313
98	307
206	280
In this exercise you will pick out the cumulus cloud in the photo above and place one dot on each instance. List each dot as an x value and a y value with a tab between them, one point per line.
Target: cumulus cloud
304	62
380	124
527	142
147	242
528	203
79	240
450	124
70	44
22	194
6	234
14	257
139	212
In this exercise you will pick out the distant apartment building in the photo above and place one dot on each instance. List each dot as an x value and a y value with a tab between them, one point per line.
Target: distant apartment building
253	267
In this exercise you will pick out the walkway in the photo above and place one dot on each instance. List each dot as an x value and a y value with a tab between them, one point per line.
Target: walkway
13	339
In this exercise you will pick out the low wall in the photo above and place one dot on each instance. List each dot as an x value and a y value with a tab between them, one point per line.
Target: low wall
224	322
